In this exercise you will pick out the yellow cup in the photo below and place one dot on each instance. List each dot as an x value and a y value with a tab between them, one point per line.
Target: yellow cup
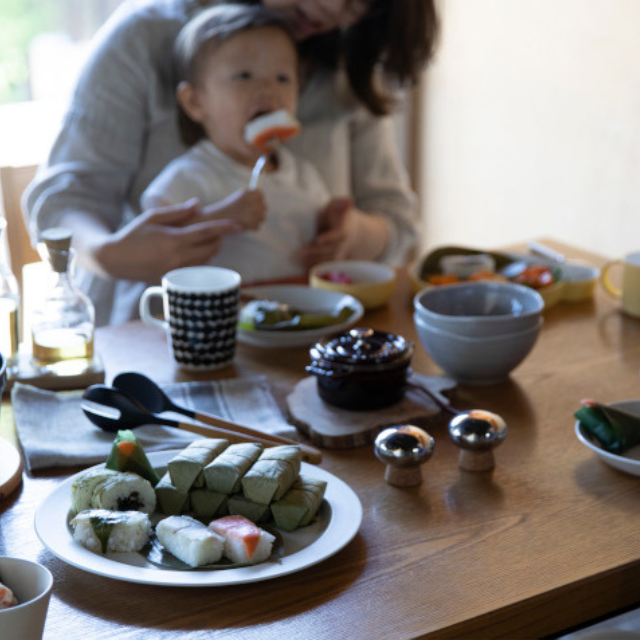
629	293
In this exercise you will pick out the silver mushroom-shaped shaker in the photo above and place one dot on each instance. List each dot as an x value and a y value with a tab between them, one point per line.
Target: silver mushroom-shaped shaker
403	448
477	433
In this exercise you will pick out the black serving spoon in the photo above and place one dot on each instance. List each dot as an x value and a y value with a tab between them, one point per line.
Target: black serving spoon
138	407
147	393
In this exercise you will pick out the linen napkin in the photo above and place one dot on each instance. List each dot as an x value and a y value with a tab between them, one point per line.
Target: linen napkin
54	432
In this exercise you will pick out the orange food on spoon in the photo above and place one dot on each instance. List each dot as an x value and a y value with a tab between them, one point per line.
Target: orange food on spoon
275	126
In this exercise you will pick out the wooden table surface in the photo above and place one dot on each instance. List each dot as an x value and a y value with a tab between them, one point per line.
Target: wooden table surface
546	541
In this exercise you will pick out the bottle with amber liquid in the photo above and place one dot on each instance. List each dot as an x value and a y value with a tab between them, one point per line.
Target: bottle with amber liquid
63	323
9	309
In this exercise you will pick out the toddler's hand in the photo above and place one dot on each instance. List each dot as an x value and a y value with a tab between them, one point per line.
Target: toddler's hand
245	206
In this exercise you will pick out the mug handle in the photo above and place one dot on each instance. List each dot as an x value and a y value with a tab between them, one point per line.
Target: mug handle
145	314
605	279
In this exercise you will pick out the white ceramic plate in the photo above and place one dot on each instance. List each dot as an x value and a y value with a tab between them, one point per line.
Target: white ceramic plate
630	460
337	523
306	299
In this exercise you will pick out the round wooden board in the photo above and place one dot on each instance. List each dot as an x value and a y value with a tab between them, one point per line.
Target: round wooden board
334	428
10	469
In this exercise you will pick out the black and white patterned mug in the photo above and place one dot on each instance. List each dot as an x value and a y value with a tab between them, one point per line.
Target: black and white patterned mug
200	315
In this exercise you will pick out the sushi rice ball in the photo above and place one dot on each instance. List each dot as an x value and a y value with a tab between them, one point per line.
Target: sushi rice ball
189	540
101	531
244	542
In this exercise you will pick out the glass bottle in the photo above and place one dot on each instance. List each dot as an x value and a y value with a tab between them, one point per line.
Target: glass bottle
9	308
62	324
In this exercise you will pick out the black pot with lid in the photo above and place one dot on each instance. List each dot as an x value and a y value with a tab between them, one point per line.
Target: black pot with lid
361	369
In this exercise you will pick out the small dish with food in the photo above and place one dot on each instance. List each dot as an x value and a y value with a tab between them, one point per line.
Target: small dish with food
279	316
372	283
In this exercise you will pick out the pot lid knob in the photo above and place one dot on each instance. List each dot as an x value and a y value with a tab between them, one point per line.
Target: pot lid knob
403	448
477	433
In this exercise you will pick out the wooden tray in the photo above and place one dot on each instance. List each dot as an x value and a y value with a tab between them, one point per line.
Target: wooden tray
334	428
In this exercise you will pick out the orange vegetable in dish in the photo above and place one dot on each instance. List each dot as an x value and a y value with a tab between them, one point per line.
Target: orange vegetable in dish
537	276
449	278
486	275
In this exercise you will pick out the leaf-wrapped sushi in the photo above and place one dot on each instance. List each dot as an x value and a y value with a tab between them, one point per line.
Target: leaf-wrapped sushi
240	506
272	474
171	500
207	504
300	504
127	455
100	530
223	474
186	468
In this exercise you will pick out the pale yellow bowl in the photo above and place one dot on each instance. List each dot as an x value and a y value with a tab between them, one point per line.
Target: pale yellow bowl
563	290
580	279
373	282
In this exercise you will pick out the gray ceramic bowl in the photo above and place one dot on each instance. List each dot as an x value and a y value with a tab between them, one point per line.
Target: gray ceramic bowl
480	308
476	360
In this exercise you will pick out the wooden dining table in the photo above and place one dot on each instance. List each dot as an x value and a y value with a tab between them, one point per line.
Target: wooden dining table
547	540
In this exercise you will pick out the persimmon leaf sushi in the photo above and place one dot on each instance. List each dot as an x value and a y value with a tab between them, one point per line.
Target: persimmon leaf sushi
244	542
171	500
190	541
124	492
127	455
300	504
207	504
186	468
276	125
240	506
101	530
83	486
223	474
272	474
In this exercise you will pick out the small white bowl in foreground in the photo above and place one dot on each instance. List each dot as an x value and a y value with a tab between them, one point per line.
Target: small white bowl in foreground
31	584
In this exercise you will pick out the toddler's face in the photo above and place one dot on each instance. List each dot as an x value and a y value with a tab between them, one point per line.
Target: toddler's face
312	17
252	73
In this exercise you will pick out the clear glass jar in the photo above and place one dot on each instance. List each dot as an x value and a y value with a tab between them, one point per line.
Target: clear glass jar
63	321
9	308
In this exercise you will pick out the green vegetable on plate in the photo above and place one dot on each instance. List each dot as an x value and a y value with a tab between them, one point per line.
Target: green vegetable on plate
127	455
270	315
614	430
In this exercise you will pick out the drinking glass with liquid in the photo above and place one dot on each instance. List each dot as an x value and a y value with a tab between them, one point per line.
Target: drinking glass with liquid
63	323
9	308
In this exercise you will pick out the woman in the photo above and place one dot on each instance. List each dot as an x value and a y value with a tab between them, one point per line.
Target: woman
121	130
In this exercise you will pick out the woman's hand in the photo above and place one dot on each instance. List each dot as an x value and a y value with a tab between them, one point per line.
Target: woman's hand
329	243
346	233
156	242
245	206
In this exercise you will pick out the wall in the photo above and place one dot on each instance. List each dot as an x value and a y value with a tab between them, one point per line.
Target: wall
531	124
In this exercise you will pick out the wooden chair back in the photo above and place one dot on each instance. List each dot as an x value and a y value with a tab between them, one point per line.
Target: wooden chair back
13	182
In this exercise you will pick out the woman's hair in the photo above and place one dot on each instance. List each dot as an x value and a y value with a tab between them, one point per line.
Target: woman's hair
206	32
396	36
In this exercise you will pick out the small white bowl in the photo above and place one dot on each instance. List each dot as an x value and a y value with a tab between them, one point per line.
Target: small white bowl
31	584
480	308
373	282
476	360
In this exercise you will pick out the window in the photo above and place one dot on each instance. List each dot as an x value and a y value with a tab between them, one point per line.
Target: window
43	44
